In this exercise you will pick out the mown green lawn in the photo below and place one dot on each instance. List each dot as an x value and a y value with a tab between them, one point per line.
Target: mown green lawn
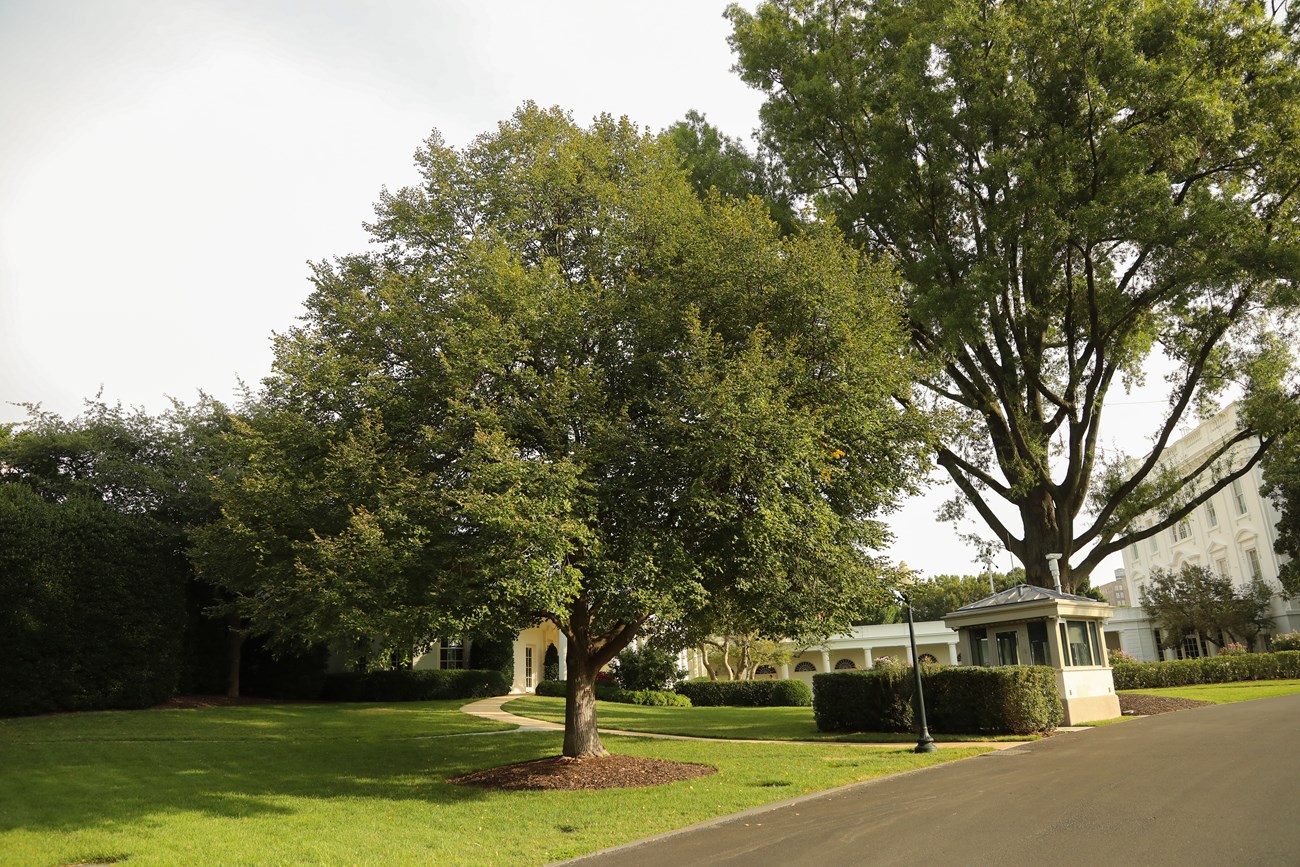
1224	693
356	784
747	723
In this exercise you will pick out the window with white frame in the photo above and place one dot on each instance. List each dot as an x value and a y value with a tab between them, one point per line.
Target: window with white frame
1239	496
1221	566
1153	544
1256	570
1211	516
1181	530
451	654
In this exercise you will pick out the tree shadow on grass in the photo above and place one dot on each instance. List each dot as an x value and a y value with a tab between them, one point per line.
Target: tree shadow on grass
69	785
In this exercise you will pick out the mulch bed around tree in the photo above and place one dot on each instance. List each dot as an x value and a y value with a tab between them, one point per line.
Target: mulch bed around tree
1146	705
606	772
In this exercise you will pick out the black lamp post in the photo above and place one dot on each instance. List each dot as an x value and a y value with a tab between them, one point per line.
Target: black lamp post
924	743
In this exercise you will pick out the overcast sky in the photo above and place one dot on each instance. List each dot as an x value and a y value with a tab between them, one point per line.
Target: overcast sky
167	168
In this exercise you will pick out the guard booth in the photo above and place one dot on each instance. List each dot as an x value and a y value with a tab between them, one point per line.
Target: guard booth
1027	625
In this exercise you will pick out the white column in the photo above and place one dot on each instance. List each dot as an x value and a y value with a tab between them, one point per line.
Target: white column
826	660
871	656
562	647
952	654
518	685
785	671
907	652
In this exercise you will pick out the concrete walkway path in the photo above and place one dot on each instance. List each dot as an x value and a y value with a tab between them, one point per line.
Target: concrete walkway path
491	708
1214	785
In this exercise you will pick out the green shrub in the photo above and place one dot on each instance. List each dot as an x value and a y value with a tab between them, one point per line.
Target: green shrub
551	663
745	693
1286	641
1283	665
493	652
421	685
791	693
611	692
968	699
649	667
92	606
552	688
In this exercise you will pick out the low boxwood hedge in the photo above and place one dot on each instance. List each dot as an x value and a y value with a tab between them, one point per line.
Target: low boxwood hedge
421	685
1017	699
747	693
1283	665
611	692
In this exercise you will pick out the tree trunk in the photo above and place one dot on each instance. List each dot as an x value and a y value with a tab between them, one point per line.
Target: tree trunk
234	648
1043	536
581	738
708	667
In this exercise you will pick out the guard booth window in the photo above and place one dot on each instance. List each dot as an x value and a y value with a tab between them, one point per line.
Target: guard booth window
1008	653
1038	653
979	647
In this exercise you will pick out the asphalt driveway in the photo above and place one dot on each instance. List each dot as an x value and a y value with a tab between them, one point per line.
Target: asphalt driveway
1212	785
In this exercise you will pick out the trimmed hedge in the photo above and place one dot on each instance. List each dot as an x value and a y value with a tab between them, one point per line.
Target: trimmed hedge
92	606
1019	699
422	685
610	692
747	693
1283	665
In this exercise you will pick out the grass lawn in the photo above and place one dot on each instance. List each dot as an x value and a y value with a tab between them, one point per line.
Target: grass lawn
750	723
1224	693
356	784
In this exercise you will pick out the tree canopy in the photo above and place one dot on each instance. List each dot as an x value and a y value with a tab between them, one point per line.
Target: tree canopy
1195	600
1070	189
567	388
1282	486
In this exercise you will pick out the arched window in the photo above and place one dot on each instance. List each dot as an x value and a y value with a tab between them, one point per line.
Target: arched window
844	664
765	669
805	666
927	658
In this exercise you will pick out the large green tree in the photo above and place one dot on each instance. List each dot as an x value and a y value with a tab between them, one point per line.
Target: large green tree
1195	600
567	388
1070	189
1282	486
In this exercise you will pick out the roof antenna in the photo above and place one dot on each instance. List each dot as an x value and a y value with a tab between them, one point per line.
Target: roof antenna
1055	569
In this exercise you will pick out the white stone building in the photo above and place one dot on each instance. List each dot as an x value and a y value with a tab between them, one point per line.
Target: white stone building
1232	533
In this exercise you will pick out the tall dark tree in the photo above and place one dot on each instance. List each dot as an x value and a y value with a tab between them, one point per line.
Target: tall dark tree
1070	189
567	388
1282	486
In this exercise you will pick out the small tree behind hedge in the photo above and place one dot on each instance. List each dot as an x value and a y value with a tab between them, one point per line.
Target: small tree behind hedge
647	667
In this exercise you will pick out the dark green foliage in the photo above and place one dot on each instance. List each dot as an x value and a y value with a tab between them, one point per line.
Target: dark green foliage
1017	699
497	654
271	674
791	693
1282	485
92	607
714	161
746	693
648	667
551	687
1283	665
407	685
551	663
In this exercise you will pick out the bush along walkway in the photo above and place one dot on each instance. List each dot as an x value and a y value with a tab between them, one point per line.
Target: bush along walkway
491	708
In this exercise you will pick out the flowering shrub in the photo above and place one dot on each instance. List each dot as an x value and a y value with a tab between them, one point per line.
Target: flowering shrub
1119	657
1232	648
1287	641
888	662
